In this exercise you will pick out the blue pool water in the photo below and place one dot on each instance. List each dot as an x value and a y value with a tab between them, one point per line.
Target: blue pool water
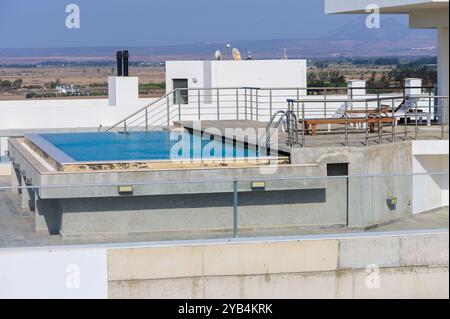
154	145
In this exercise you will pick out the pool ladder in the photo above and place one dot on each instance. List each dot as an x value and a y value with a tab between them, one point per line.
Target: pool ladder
291	128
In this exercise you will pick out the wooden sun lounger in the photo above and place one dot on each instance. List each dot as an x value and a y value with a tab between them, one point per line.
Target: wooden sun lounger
311	124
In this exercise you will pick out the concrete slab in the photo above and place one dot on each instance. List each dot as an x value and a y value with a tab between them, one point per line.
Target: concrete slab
360	253
424	250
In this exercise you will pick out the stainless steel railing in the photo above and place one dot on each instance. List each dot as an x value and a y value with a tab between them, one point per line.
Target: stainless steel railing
237	103
402	115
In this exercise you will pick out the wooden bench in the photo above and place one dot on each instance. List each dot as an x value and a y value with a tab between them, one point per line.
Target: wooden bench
311	124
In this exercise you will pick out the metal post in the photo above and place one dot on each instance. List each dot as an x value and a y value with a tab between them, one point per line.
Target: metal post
237	104
125	126
325	103
416	128
380	137
198	105
168	110
270	103
146	120
303	123
442	117
346	123
245	103
218	105
367	123
429	109
257	104
235	209
406	121
179	111
393	120
251	104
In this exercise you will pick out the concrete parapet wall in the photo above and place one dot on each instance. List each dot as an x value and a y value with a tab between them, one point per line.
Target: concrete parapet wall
404	267
412	264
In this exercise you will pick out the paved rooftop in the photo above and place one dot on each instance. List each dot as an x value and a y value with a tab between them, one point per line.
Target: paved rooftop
16	227
336	137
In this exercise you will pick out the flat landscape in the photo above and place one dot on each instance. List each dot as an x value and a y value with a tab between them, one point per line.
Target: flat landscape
89	79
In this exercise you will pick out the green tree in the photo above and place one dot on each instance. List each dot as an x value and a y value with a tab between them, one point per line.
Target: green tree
17	84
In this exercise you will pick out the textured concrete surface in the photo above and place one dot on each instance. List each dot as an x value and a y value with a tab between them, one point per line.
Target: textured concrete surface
17	228
395	266
413	282
222	260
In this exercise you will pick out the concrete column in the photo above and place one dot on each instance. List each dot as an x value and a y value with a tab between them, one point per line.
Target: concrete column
47	216
16	180
443	69
27	197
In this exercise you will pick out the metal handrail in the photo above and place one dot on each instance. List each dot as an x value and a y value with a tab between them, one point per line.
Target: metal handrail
140	110
272	119
375	99
253	101
292	128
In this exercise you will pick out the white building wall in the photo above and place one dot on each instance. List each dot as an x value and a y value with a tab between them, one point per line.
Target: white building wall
76	113
259	73
123	90
443	68
61	273
430	157
193	71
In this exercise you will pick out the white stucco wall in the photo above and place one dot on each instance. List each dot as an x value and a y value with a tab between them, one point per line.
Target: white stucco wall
123	90
61	273
193	71
77	113
254	73
259	73
430	157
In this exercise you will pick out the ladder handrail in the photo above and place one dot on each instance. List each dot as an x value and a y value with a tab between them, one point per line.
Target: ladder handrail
141	109
272	119
292	127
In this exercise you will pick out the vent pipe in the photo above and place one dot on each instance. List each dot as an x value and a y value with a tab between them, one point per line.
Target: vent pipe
119	63
125	56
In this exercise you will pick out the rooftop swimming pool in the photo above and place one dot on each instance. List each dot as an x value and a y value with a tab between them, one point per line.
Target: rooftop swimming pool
137	146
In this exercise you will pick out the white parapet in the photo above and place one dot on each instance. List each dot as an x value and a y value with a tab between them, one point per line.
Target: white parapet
123	91
413	86
356	88
430	189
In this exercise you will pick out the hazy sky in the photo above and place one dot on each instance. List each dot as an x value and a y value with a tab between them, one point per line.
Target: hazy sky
41	23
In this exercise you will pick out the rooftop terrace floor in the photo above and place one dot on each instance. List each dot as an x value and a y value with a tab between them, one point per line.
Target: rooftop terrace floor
335	137
16	227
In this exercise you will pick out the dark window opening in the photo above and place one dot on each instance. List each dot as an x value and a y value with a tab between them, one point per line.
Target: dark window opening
180	96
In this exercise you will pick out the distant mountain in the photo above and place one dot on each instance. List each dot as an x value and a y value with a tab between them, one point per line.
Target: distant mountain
390	29
352	40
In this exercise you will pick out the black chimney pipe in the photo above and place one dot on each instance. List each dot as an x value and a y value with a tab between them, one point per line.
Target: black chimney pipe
126	57
119	63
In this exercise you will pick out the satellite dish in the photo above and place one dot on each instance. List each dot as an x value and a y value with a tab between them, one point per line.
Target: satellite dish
236	55
218	55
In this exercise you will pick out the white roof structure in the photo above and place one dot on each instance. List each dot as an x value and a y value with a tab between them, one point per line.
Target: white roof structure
387	6
422	14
